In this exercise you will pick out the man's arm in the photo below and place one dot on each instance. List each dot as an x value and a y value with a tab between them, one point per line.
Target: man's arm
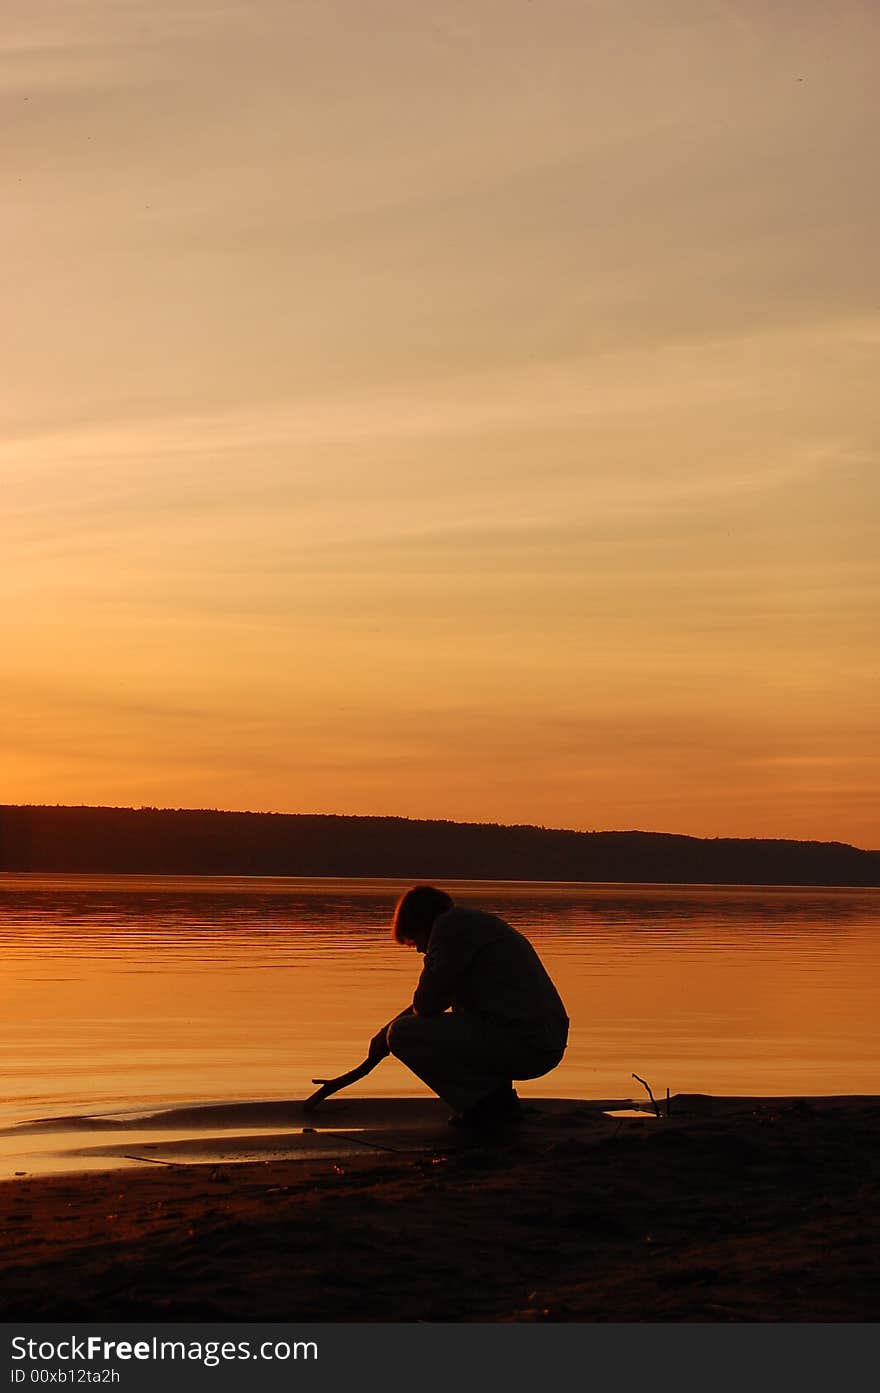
433	994
450	951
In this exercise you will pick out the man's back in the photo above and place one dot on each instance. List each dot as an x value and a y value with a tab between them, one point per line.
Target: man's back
477	963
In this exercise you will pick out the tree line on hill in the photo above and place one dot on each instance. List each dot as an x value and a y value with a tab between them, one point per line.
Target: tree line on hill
208	842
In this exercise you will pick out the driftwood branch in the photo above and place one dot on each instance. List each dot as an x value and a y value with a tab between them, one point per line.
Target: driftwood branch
153	1160
646	1085
329	1086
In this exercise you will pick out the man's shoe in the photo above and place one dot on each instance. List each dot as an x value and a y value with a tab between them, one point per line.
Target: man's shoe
500	1108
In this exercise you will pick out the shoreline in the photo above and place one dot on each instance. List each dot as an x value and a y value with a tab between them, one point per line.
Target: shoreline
12	879
732	1209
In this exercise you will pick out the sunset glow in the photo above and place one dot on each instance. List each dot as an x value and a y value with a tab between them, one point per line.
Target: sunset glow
462	411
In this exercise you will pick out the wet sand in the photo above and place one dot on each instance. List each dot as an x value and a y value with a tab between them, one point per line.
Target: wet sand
731	1209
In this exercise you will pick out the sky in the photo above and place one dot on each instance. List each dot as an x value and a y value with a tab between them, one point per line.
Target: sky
463	410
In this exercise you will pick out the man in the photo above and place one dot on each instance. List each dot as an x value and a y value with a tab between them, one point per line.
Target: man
507	1020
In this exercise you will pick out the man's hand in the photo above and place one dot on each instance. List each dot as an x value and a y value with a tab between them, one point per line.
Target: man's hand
379	1043
378	1046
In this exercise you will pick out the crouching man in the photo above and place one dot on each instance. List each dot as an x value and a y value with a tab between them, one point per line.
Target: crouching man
506	1020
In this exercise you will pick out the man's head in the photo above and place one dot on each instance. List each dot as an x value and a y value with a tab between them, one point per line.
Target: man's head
415	913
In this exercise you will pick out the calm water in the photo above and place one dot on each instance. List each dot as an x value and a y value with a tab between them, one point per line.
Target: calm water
128	991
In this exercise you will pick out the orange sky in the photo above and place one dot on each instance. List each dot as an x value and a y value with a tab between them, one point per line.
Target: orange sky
464	411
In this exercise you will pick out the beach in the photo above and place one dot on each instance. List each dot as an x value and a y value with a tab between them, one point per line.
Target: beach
730	1209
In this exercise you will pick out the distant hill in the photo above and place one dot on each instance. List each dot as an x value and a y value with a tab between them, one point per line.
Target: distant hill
178	841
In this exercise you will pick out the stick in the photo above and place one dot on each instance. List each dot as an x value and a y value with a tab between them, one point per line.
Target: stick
650	1094
329	1086
362	1141
153	1161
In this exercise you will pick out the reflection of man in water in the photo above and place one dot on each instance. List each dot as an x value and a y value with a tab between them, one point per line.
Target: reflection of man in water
507	1021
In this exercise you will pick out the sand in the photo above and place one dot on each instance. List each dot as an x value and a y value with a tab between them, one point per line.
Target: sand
732	1209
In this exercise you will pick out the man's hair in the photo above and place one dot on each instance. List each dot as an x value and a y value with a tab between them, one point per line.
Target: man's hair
416	911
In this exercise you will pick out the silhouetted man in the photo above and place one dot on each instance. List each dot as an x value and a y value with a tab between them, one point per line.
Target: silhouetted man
506	1020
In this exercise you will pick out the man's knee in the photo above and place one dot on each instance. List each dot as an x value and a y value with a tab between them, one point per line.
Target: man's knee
400	1035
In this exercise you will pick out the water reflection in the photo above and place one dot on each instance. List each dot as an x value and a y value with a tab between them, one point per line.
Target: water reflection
157	990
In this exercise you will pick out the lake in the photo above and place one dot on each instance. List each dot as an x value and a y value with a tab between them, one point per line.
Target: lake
122	992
